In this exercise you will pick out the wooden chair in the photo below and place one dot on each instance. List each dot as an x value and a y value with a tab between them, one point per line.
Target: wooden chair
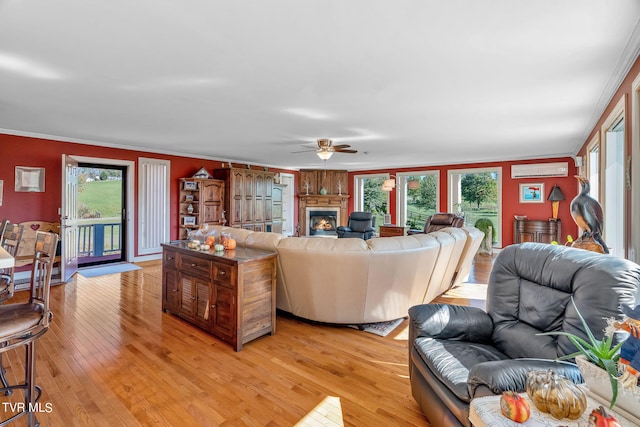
22	324
11	238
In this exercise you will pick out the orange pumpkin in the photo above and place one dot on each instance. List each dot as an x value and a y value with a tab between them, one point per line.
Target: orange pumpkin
230	244
514	407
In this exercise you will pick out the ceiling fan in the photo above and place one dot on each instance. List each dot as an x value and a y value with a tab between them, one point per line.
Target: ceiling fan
326	149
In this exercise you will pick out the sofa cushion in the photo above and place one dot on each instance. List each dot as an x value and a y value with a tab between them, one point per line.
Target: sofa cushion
450	361
263	240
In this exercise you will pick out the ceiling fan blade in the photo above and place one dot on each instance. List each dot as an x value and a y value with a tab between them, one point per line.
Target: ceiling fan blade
345	151
337	147
304	151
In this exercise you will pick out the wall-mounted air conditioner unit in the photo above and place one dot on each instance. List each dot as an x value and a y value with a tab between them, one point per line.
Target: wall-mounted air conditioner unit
540	170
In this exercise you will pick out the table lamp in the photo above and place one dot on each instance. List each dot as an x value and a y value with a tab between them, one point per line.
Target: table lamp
555	196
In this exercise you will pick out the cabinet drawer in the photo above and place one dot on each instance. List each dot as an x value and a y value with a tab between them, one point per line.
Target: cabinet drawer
222	273
169	259
195	266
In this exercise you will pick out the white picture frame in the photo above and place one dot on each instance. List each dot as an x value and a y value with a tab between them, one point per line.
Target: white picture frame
532	192
29	179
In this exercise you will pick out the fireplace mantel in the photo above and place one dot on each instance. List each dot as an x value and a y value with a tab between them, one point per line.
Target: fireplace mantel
319	201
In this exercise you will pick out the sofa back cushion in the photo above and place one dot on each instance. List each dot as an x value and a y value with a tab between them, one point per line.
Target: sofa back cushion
326	279
530	290
399	272
445	265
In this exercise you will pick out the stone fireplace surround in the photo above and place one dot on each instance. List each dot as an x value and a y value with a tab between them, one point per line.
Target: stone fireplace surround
337	203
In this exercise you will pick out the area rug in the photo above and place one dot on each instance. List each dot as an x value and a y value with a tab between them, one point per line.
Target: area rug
108	269
381	328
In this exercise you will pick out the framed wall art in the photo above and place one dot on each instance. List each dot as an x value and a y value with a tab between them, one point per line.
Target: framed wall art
29	179
189	220
190	185
531	193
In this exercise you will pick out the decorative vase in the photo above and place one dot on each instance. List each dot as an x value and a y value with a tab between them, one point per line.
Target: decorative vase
323	191
597	380
554	394
190	208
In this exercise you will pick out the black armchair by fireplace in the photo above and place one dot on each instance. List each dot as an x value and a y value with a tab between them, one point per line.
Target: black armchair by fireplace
360	225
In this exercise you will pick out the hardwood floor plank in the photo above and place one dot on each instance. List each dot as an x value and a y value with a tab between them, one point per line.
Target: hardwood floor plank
113	358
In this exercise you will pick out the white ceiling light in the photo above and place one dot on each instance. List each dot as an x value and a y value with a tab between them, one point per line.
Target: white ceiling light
324	154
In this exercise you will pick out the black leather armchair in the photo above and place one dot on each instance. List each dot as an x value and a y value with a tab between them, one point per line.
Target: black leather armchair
360	225
457	353
438	221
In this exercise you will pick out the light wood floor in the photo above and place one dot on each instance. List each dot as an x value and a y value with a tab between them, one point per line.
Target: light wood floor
113	358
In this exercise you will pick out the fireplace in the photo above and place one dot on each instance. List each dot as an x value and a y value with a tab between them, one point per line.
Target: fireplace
322	221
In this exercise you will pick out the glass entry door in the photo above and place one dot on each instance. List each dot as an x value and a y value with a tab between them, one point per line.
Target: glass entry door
101	225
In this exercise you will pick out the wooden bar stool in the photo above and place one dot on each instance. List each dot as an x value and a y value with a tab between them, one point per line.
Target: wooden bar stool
11	234
23	323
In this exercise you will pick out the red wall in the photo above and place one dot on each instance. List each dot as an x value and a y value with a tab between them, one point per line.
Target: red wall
35	152
43	153
510	193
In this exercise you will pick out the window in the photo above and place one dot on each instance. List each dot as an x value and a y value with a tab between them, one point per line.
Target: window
369	196
593	167
477	193
613	194
418	197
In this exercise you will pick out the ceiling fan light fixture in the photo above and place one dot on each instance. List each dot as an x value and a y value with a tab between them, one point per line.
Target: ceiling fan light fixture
324	155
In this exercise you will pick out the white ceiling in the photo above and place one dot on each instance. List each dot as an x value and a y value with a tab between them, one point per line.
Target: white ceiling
404	82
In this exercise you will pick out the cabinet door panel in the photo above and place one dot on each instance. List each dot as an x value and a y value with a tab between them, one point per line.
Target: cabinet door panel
212	213
258	202
224	318
212	191
186	296
171	297
202	302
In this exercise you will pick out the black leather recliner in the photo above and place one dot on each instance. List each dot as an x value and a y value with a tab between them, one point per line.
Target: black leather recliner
457	353
361	225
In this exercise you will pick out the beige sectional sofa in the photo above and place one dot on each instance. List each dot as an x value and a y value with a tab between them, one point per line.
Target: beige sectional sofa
353	281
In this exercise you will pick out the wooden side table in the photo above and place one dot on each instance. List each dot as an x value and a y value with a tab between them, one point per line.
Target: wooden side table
393	230
485	411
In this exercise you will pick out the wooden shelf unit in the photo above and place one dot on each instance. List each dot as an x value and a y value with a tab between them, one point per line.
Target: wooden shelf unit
205	196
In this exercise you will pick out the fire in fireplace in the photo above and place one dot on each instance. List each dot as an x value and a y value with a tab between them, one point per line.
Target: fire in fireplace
323	223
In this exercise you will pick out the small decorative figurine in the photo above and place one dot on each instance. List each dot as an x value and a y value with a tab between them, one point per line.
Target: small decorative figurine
339	188
307	185
587	213
629	363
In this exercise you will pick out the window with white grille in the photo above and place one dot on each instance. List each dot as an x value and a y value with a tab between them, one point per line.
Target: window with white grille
153	204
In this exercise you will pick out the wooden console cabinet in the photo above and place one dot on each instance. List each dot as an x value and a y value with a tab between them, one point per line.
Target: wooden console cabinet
231	295
393	230
532	230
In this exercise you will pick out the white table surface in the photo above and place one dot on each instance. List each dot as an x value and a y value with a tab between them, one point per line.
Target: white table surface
485	411
6	260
